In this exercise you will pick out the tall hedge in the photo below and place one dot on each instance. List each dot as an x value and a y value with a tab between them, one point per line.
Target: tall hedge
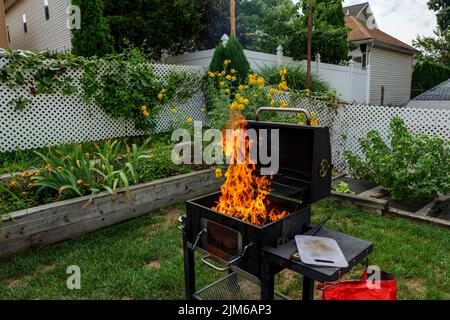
428	74
232	51
94	37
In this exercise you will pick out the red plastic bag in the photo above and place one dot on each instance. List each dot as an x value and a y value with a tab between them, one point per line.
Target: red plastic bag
385	289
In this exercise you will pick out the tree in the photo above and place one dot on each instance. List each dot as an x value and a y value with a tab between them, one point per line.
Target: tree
94	38
215	22
428	74
265	24
234	52
329	35
157	24
437	48
442	7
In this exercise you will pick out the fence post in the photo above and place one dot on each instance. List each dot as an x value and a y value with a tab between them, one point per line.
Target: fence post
351	65
225	39
280	55
164	56
368	69
318	61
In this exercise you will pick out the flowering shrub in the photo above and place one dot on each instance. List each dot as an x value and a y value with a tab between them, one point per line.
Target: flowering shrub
224	93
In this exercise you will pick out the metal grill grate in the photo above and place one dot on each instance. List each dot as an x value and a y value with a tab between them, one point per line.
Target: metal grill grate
233	287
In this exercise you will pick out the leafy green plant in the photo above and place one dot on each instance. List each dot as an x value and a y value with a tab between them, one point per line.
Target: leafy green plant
158	164
69	172
412	167
125	86
342	187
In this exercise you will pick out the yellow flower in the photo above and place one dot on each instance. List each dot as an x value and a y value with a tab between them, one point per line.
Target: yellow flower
218	173
228	77
283	86
24	194
255	95
233	71
313	114
272	103
241	107
238	96
211	74
174	110
160	96
261	81
146	114
315	122
143	108
245	101
222	84
269	96
283	104
234	105
227	91
163	91
241	87
233	78
272	90
227	62
13	184
189	120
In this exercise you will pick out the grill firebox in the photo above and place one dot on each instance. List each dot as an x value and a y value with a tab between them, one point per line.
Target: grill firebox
239	243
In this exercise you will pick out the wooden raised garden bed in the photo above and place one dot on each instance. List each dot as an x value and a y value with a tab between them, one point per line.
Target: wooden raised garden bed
373	198
48	224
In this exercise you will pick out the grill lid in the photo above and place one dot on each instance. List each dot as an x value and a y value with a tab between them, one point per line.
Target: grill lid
304	171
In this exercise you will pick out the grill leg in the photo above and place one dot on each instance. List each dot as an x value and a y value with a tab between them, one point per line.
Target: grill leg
189	270
308	289
267	281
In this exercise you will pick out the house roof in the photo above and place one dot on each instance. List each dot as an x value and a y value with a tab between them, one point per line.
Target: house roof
9	4
355	9
360	32
439	93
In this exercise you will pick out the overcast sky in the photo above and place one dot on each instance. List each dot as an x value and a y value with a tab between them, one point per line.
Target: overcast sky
403	19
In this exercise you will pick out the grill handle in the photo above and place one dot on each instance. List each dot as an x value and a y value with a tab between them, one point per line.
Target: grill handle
287	110
205	260
235	259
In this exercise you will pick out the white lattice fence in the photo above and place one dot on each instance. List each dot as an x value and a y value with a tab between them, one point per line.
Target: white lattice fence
353	122
55	119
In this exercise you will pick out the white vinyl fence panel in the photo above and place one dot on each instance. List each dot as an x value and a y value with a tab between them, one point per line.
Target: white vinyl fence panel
351	123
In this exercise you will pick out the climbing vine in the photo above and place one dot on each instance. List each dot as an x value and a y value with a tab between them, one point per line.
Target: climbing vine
123	85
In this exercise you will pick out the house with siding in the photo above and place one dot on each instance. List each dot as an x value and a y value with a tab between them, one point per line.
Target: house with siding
3	36
37	25
388	60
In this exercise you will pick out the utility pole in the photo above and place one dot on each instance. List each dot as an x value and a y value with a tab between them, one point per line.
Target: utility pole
310	27
233	17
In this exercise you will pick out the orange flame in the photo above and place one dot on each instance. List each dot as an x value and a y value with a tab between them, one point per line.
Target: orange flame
244	195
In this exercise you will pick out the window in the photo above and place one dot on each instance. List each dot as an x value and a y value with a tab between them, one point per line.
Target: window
46	9
9	35
25	28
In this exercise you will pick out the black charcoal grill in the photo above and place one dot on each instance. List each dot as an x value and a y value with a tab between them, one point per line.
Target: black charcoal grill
227	243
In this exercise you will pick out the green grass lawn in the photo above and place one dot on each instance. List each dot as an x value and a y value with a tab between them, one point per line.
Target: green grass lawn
142	259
